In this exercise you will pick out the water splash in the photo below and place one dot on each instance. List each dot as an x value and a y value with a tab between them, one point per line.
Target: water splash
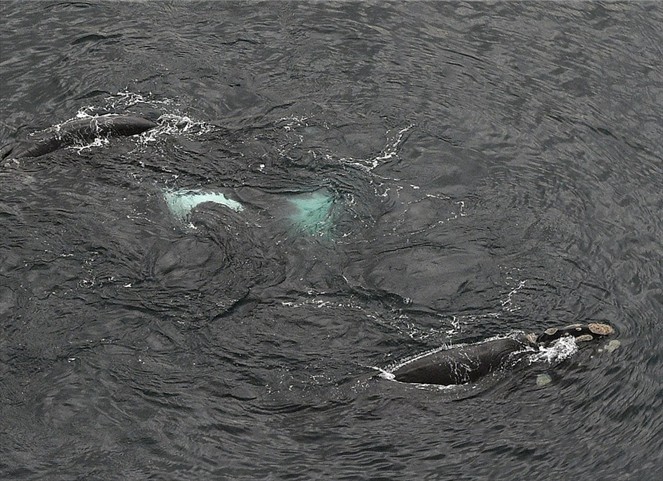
560	350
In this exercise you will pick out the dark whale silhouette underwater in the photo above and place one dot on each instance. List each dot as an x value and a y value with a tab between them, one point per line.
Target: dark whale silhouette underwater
83	130
468	363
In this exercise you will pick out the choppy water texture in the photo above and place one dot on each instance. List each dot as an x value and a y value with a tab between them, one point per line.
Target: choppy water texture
469	169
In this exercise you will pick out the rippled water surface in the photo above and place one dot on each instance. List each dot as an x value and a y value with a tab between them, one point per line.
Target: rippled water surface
374	180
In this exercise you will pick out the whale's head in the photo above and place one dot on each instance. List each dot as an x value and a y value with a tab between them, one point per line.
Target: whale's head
581	332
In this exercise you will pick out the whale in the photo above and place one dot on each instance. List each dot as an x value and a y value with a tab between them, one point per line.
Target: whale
83	130
469	362
311	214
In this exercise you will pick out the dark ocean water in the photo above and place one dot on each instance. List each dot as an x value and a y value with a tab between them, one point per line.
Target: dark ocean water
474	168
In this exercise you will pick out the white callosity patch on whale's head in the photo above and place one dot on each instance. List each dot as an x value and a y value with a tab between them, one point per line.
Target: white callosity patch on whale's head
600	329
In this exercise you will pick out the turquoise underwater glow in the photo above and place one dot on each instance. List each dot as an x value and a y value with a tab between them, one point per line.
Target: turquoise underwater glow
181	203
313	215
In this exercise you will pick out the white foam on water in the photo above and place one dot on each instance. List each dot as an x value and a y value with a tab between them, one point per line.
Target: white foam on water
559	350
389	151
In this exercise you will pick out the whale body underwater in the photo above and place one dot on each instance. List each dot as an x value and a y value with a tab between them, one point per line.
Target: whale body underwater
451	366
470	362
77	131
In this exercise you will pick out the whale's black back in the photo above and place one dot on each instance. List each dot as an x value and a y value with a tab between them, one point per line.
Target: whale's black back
461	364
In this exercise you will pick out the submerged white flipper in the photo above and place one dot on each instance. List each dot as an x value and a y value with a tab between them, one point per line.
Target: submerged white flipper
181	203
310	213
314	213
